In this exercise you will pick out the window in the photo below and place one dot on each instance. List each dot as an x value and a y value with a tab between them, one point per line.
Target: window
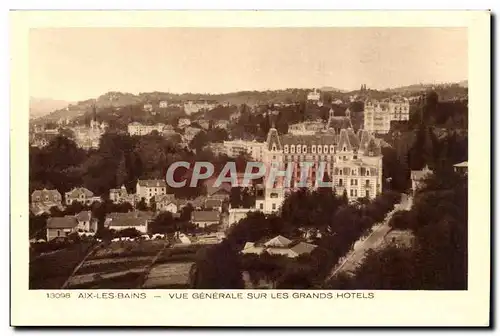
304	149
367	183
261	206
58	233
299	149
320	149
332	149
325	149
354	156
274	206
273	195
352	182
355	193
313	147
344	148
367	172
286	148
340	182
367	193
340	171
352	192
292	148
274	147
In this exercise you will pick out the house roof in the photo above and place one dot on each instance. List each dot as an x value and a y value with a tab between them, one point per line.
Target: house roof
309	139
134	218
167	198
84	216
205	216
461	164
278	241
77	192
303	248
152	183
52	193
66	222
213	203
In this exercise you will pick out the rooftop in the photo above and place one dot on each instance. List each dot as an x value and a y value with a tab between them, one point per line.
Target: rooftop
66	222
205	216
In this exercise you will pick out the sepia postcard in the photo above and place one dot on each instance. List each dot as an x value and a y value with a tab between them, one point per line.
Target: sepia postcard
260	168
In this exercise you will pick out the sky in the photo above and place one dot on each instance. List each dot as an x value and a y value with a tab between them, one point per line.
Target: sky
74	64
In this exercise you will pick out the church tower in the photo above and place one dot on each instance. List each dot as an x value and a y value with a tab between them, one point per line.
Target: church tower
94	124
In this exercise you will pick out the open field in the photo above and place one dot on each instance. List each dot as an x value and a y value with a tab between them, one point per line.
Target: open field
171	269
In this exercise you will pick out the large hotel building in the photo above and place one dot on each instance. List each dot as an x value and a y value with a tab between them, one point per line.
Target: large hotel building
379	114
351	160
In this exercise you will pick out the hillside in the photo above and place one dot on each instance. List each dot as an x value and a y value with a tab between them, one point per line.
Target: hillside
43	106
119	100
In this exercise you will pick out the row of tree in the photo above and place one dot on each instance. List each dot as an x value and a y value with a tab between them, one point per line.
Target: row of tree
437	256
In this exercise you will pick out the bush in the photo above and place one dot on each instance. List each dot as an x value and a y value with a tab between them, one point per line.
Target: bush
402	220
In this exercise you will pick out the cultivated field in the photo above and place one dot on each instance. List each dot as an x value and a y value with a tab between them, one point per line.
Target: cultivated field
51	270
117	265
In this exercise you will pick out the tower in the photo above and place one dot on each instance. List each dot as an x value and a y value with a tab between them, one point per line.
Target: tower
93	123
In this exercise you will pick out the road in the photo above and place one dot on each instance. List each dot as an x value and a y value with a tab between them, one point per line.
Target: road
355	257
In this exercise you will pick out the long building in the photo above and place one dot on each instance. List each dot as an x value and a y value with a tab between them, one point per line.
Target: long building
136	128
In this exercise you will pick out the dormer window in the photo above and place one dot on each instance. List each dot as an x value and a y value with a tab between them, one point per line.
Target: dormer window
320	149
299	149
286	148
344	148
325	149
332	149
367	172
292	148
274	147
304	149
313	148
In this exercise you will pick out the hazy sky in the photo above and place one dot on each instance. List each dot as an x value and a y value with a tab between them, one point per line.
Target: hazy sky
80	63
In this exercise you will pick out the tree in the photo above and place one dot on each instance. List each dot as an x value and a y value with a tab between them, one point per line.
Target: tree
186	212
142	206
163	223
401	220
217	267
121	172
152	203
199	141
235	197
129	232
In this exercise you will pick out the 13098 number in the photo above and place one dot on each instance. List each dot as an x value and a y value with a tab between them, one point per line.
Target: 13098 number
58	295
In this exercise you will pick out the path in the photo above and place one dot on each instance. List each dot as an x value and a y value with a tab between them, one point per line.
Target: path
148	268
354	258
91	250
